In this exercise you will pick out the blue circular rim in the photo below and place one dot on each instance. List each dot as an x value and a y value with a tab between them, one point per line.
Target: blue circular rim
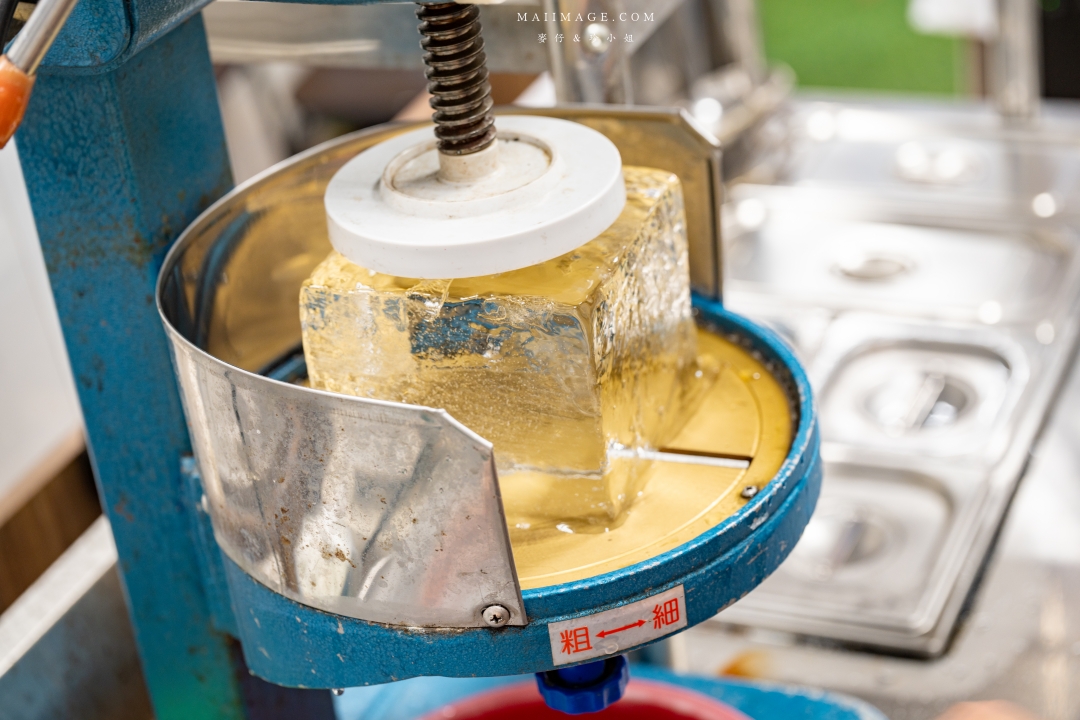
294	645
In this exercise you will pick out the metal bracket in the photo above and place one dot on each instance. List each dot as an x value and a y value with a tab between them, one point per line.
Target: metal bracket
379	511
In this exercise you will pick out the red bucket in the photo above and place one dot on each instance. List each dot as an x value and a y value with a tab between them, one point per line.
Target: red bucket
644	700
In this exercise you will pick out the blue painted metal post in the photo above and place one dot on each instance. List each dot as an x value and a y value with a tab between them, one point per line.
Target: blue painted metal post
116	165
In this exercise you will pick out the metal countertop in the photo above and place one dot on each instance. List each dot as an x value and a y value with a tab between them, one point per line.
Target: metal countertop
1020	640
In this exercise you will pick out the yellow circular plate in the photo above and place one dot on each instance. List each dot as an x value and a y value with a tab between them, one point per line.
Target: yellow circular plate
558	529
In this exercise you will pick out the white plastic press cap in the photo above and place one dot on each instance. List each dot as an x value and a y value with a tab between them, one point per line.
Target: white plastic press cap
546	187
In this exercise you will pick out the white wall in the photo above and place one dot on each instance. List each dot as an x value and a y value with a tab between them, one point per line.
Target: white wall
39	411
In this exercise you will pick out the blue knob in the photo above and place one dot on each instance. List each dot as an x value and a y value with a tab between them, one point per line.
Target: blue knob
585	688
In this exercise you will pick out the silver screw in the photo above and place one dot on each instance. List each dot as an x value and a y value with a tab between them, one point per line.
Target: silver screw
597	38
496	615
748	492
338	691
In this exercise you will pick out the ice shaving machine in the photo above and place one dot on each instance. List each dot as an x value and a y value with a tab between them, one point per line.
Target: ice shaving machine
325	541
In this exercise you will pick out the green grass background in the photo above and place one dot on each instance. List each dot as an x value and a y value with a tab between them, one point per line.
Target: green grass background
865	44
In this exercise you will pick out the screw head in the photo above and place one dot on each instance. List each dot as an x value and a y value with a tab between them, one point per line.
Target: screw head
597	38
748	492
496	615
338	691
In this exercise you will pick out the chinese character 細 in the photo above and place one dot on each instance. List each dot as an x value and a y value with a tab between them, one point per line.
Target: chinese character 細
666	614
543	37
575	640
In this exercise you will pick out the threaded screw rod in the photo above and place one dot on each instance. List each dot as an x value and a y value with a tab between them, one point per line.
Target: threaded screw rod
457	77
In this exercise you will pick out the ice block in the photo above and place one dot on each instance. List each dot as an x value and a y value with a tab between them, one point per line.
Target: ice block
555	364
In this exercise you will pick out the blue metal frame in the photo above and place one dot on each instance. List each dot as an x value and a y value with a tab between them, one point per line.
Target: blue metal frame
117	164
291	644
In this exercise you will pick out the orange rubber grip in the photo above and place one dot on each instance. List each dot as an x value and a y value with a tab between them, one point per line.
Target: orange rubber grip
14	95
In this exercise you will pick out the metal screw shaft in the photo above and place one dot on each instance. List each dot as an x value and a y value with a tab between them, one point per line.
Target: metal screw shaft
457	77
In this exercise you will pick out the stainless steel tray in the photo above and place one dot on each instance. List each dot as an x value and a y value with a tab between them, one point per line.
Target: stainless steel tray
936	340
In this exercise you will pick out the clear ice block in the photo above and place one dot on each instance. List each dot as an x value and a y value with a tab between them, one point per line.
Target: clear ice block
554	363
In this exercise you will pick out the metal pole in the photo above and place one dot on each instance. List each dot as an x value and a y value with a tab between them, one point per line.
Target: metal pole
587	51
33	41
736	22
1015	77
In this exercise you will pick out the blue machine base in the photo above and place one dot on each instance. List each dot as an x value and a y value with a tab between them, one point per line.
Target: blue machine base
291	644
415	698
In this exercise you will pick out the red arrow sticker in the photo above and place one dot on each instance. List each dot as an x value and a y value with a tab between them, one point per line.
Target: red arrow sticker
605	633
619	629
